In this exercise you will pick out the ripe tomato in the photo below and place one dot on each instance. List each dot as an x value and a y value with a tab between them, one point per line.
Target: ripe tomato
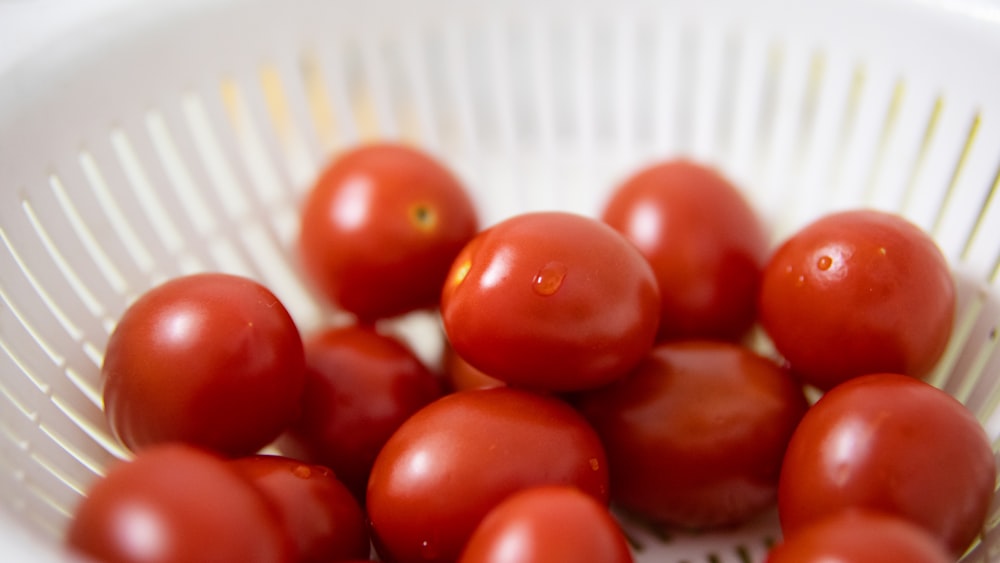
176	503
696	434
316	510
860	536
211	359
380	229
892	443
360	386
704	241
458	457
552	301
548	524
858	292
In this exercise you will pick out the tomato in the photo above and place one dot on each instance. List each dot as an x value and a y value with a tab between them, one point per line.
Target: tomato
457	458
551	301
858	292
548	525
360	386
892	443
460	375
696	435
209	359
316	510
380	229
176	503
704	241
860	536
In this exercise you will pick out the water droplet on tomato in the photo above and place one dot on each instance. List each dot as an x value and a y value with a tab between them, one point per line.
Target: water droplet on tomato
428	550
824	263
800	281
549	278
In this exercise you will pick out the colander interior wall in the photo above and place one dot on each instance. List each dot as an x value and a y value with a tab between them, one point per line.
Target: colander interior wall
171	139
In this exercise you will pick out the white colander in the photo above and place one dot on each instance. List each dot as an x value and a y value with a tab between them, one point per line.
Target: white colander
174	137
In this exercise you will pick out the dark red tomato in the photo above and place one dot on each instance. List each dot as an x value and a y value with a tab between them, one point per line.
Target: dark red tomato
548	525
858	292
460	375
704	241
551	301
211	359
696	435
457	458
860	536
380	229
176	503
317	511
360	386
891	443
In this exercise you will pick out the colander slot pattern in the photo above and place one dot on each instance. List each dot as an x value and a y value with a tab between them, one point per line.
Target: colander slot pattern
980	247
946	138
161	235
973	179
284	95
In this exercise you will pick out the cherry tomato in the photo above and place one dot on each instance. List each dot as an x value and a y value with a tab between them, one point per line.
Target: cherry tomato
210	359
460	375
316	510
892	443
176	503
380	229
360	386
704	241
696	435
457	458
548	525
552	301
858	292
860	536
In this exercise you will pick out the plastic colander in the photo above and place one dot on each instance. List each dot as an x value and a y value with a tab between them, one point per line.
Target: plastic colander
170	138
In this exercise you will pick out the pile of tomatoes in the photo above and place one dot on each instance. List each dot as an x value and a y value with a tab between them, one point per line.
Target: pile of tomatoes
589	362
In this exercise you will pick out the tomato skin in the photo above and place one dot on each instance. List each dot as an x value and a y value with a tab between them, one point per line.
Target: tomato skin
176	503
457	458
891	443
696	434
380	229
209	359
860	536
360	386
317	511
705	243
548	525
861	280
551	301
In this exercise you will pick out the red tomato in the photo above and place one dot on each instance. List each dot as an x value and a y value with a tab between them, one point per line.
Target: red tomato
176	503
457	458
360	386
891	443
213	360
860	536
704	241
548	525
858	292
380	229
696	435
551	301
316	510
